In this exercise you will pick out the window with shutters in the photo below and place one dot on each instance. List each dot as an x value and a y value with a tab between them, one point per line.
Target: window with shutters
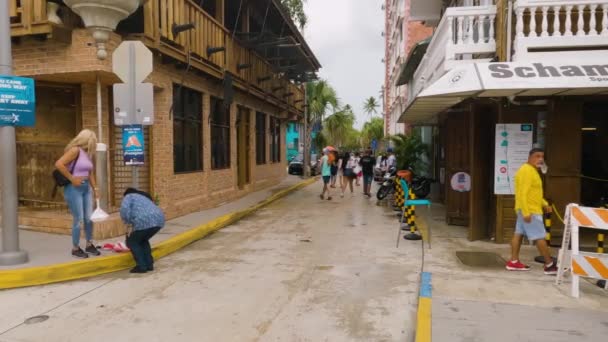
187	130
260	138
220	134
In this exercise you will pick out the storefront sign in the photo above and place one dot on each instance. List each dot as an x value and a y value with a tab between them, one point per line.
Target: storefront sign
133	144
513	143
17	101
461	182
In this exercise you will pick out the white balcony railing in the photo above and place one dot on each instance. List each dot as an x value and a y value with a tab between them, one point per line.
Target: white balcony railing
464	35
544	27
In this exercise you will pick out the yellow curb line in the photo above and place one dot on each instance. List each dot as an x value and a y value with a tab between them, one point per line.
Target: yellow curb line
425	307
93	267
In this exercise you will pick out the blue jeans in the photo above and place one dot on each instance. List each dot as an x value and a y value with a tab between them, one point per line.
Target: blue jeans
80	202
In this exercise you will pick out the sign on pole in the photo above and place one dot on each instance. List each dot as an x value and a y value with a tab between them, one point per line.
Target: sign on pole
133	100
17	101
121	64
513	143
144	104
133	145
374	145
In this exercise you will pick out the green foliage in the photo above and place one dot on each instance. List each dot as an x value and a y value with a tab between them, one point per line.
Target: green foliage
320	141
409	151
295	8
338	125
321	98
370	106
373	129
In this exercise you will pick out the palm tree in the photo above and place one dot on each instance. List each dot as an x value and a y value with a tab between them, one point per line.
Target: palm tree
372	130
370	106
321	98
338	125
409	150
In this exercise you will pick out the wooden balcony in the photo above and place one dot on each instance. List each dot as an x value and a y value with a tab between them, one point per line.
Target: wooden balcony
255	74
28	17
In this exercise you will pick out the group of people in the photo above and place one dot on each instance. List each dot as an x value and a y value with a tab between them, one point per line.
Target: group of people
345	169
138	211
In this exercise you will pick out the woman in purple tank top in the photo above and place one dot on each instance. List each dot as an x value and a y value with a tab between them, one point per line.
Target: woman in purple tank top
78	165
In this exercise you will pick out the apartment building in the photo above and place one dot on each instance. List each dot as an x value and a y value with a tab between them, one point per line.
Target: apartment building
400	33
224	93
498	78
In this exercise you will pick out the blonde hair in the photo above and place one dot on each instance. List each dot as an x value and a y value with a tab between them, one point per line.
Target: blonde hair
86	140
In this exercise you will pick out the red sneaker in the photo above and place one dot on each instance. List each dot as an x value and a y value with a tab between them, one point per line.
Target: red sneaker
515	265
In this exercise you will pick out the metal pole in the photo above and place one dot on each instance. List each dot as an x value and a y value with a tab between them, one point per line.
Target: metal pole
11	254
102	154
133	105
306	135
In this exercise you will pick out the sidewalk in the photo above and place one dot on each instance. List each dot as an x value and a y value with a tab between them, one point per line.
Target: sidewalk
492	304
50	249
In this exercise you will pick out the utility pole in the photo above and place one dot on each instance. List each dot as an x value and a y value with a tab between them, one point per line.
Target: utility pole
306	135
10	254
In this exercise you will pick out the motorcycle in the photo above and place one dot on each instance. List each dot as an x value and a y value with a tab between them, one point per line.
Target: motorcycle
421	186
388	184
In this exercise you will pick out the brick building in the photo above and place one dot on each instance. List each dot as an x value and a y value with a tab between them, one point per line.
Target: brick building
220	117
400	34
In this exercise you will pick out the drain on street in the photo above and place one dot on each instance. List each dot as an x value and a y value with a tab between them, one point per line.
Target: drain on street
36	319
480	259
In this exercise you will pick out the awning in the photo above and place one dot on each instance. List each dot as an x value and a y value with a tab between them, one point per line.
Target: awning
565	78
413	61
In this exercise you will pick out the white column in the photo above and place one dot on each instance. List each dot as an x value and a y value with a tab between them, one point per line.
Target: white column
568	28
533	22
580	26
592	22
460	21
604	20
556	21
545	24
491	38
519	26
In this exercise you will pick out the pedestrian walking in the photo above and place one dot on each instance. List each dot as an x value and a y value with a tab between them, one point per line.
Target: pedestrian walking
367	163
77	165
145	219
357	169
391	160
349	173
530	205
326	174
333	161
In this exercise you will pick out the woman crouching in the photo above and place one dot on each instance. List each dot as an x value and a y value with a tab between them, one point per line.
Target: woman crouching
145	219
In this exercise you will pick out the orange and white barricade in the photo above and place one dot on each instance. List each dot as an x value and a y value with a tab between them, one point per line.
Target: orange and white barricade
581	264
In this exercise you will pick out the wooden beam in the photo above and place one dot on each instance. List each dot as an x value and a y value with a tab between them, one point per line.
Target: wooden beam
219	11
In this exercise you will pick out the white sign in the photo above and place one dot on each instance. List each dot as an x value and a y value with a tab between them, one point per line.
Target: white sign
461	182
132	55
513	143
144	104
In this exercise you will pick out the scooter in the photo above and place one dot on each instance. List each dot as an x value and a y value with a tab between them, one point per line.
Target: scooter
421	186
388	184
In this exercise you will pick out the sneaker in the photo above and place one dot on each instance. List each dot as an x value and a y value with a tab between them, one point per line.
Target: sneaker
137	270
322	197
551	269
92	250
79	253
517	266
329	198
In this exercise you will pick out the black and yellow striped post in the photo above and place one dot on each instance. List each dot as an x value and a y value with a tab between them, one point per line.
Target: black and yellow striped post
547	219
399	201
600	243
412	220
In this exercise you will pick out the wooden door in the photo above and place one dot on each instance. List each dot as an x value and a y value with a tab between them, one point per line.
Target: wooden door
38	147
243	147
457	160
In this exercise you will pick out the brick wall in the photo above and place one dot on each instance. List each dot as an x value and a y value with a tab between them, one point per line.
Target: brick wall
179	194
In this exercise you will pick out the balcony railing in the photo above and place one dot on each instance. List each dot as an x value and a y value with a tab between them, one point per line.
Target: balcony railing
208	34
28	17
464	35
558	26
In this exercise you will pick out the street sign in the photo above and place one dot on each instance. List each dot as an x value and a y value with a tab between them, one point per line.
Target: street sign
17	101
374	144
133	145
122	64
144	104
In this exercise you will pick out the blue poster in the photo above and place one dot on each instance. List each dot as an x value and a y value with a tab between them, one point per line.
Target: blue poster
133	144
374	144
17	101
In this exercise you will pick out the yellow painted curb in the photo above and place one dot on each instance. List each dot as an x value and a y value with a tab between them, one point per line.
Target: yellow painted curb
93	267
423	326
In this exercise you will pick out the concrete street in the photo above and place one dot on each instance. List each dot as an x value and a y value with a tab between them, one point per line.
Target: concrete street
301	269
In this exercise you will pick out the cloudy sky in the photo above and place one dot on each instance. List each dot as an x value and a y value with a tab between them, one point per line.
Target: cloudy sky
346	37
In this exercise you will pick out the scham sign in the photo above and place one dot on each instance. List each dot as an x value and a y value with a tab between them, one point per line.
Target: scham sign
595	72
